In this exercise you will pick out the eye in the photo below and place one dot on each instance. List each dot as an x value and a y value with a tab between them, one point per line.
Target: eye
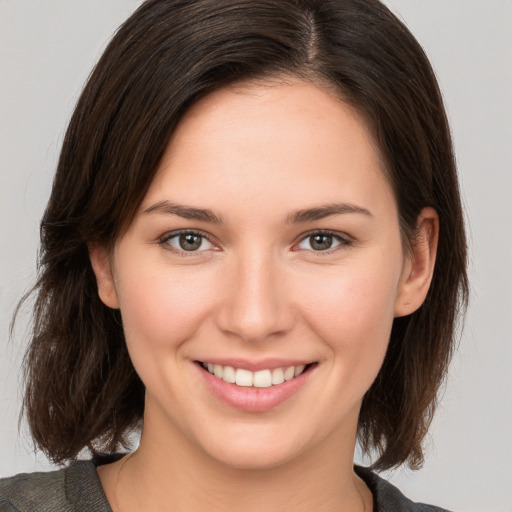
322	241
187	241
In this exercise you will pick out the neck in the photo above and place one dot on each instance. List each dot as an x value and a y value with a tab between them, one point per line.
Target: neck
172	474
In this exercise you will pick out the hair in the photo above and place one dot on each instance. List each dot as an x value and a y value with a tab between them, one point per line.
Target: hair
81	388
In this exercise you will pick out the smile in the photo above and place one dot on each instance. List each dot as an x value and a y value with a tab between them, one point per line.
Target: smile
266	385
259	379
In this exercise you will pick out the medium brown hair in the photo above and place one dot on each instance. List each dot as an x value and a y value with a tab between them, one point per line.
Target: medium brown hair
81	387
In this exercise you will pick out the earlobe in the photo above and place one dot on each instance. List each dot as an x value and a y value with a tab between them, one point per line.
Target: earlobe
419	267
101	266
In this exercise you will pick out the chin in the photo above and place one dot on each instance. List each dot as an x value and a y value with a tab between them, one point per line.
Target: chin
256	449
253	458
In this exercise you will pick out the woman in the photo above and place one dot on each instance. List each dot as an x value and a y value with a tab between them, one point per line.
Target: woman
254	249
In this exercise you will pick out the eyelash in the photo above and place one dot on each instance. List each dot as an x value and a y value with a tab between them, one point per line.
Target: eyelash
164	241
343	240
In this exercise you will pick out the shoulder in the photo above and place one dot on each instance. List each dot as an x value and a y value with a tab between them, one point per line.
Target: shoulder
28	491
387	498
74	488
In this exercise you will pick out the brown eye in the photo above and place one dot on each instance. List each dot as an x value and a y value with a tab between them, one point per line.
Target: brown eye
322	242
188	241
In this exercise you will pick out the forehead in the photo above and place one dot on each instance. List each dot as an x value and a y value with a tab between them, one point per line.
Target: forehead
272	111
281	142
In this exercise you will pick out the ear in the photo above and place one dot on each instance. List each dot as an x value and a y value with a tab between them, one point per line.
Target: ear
102	268
419	264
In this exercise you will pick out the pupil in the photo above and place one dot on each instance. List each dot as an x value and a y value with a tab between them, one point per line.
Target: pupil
321	242
190	242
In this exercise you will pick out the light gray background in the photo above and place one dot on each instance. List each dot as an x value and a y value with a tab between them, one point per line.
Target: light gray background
47	48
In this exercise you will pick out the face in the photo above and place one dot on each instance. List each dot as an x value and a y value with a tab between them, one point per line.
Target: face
259	279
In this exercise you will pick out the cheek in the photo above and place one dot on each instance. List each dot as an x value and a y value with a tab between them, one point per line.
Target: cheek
353	314
162	310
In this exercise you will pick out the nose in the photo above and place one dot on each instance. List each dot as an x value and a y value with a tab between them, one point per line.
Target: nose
256	303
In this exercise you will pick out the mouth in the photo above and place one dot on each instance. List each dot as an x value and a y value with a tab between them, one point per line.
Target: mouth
264	378
266	386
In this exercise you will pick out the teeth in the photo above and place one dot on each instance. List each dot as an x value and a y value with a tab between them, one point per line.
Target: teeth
218	370
243	377
277	376
289	373
229	374
259	379
262	379
298	370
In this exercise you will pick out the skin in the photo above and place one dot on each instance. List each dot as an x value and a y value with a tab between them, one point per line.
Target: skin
258	288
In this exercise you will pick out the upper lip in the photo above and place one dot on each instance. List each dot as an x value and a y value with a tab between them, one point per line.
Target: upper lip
256	365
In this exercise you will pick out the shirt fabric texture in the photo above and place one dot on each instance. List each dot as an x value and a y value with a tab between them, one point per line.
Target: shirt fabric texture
77	488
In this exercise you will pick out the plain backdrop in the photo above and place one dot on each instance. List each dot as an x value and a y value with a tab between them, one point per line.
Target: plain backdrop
47	49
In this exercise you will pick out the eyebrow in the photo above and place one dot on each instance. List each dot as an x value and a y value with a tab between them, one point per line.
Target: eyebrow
187	212
320	212
297	217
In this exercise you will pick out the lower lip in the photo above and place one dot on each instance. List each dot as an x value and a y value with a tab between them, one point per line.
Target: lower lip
252	399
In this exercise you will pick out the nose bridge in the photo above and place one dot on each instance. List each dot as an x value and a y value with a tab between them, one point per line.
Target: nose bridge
257	305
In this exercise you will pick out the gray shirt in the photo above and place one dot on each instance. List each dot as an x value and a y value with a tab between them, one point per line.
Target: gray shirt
77	488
